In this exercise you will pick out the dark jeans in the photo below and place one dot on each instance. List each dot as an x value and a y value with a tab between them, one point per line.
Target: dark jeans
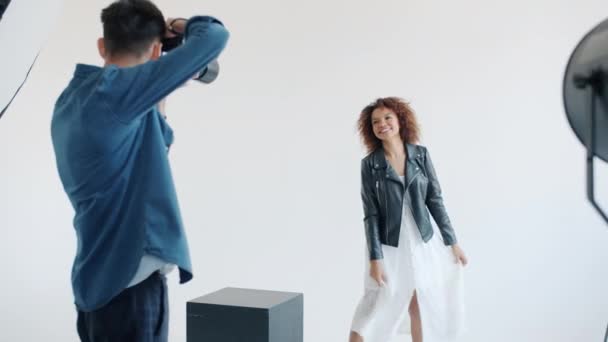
138	314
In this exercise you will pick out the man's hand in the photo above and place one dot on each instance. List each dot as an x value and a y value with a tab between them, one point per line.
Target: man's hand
161	108
175	26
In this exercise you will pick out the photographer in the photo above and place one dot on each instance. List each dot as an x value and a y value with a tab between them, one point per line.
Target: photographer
110	141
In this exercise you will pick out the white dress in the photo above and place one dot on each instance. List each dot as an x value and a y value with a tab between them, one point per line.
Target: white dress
429	269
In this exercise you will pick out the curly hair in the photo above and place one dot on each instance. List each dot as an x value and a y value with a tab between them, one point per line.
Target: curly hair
408	125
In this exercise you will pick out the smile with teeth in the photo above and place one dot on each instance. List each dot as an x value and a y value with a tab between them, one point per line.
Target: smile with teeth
384	130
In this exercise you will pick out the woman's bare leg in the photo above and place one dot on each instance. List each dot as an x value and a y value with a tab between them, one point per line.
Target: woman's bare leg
354	337
416	326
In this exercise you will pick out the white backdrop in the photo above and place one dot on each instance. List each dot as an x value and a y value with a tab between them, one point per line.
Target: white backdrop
266	162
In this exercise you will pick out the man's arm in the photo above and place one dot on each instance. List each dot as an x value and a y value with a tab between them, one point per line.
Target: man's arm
131	92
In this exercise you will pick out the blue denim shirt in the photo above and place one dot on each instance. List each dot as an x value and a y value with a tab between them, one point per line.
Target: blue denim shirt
110	145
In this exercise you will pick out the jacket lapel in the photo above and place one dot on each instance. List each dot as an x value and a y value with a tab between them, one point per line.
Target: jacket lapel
380	163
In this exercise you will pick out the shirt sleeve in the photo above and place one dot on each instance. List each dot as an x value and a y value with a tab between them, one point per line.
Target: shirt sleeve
434	202
371	213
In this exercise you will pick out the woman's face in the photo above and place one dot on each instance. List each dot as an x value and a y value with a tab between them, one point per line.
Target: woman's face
385	123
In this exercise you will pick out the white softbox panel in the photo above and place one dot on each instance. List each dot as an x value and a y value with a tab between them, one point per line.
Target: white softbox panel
24	27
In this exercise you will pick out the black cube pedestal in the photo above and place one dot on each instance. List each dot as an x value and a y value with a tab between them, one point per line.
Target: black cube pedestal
244	315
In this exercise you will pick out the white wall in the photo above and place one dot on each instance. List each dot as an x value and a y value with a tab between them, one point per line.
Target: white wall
266	162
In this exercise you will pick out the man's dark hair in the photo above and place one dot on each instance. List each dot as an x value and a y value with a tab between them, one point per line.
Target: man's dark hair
130	26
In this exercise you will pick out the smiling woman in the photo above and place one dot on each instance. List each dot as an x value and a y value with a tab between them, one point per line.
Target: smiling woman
413	268
15	24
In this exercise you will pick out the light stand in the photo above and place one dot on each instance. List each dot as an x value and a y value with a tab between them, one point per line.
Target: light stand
586	102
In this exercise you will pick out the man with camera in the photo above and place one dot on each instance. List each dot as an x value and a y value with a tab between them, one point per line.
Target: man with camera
110	140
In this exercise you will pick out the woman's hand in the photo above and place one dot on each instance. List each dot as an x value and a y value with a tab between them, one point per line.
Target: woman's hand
376	271
459	255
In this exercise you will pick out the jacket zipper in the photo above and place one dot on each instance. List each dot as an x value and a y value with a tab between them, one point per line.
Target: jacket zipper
411	180
386	220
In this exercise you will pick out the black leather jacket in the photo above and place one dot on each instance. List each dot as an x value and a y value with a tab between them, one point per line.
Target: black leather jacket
383	194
